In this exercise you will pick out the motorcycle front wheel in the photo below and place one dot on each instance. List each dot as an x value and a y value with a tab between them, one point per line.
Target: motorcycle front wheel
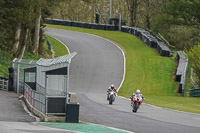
135	108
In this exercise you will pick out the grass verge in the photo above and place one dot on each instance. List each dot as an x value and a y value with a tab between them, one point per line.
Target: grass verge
145	70
58	47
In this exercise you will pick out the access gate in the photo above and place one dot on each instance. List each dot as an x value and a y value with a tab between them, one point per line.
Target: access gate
3	84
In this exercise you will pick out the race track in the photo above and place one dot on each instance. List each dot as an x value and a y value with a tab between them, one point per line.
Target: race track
100	63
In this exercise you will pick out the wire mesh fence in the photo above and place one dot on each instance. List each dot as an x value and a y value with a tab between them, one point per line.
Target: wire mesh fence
19	66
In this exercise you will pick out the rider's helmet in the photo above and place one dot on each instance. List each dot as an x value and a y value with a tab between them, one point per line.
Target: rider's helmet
137	91
113	87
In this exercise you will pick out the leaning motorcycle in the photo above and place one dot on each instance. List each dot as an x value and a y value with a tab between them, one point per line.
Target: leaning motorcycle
136	102
111	96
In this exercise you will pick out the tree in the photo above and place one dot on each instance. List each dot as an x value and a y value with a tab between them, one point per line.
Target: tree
17	9
38	6
41	11
133	8
16	38
10	13
27	24
179	22
183	12
24	43
17	16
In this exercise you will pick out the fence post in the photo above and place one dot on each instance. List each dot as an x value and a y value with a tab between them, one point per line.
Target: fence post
46	101
7	85
34	99
18	69
3	85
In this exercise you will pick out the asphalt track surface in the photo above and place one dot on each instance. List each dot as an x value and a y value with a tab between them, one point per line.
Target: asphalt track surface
14	119
98	64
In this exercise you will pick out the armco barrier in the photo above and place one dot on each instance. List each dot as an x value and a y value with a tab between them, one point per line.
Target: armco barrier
181	70
163	49
194	92
80	24
151	41
126	29
102	27
74	23
144	35
67	23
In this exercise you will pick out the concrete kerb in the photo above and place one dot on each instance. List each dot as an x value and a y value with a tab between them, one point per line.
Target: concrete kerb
39	114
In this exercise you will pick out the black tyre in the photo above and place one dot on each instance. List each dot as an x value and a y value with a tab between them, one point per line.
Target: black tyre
136	107
135	110
111	99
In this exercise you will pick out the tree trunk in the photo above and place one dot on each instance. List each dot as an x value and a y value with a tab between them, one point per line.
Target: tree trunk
131	15
17	37
132	7
37	32
135	5
148	17
21	54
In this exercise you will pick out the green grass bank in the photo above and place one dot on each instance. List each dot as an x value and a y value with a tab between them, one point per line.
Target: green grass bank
58	47
147	71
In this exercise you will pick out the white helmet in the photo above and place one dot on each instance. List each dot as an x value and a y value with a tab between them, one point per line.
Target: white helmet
137	91
112	85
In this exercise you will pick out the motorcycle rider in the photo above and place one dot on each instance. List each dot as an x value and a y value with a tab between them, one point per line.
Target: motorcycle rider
111	88
136	93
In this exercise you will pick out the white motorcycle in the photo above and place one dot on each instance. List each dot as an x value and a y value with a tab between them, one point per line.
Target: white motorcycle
111	96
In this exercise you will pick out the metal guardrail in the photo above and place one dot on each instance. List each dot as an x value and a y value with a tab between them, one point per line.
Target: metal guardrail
4	84
181	70
194	92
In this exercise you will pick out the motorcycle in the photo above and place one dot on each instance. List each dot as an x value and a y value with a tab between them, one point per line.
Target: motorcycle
111	96
136	101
